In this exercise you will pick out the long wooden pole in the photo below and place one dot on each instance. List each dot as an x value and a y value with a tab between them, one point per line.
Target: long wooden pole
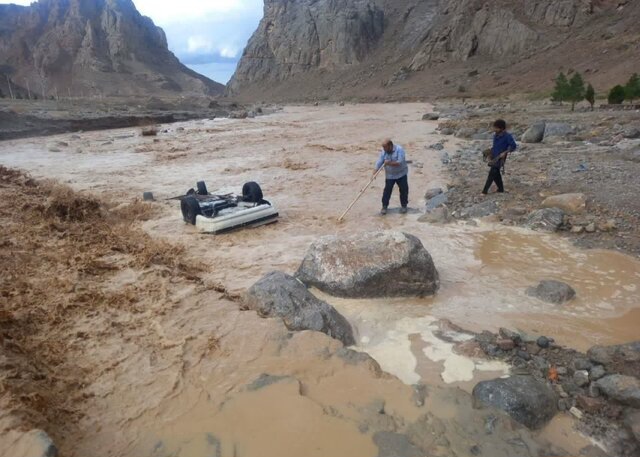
364	189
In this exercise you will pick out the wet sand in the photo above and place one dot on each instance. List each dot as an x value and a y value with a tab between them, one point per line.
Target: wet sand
310	162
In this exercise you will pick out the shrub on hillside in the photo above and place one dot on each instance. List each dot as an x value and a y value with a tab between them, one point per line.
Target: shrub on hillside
561	89
590	96
632	88
576	90
616	95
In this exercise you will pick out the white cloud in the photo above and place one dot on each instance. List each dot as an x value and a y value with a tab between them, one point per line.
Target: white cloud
228	52
199	45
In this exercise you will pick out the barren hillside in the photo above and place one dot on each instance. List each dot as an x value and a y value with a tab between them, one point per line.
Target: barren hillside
90	47
377	49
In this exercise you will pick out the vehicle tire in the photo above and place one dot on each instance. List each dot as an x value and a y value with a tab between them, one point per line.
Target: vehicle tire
252	193
202	188
190	210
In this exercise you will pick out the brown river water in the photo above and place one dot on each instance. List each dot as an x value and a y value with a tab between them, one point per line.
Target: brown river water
311	162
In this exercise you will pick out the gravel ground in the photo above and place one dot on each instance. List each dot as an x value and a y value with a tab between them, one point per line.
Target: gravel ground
599	158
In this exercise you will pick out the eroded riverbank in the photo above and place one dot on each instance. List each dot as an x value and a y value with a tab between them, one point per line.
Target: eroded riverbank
171	392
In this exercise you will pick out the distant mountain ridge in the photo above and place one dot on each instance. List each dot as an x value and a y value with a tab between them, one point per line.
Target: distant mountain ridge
399	48
91	47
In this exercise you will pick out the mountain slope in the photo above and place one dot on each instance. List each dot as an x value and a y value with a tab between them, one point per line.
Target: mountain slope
91	47
307	49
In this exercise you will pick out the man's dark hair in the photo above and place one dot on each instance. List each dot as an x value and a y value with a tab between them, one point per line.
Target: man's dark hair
500	124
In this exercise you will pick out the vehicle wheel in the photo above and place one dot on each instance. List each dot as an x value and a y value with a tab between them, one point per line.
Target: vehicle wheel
252	193
202	188
190	210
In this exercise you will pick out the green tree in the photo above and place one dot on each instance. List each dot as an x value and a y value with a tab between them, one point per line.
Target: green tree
590	96
561	90
616	95
576	91
632	88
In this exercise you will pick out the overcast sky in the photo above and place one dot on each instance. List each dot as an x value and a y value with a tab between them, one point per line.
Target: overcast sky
206	35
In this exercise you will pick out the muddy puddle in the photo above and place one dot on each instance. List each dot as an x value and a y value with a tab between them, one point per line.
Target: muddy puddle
311	162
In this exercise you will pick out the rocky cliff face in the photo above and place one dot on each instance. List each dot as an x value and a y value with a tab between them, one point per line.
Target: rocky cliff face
386	43
298	36
91	47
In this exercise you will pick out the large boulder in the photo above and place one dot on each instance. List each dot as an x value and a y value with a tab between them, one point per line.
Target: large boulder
569	203
373	264
620	358
552	291
527	400
281	295
623	389
534	134
554	131
548	219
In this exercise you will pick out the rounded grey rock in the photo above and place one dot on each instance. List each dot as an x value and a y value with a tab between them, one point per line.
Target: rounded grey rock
534	134
624	389
280	295
372	264
552	291
528	401
547	219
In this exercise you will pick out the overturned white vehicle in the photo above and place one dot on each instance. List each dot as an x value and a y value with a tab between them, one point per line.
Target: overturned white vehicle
223	213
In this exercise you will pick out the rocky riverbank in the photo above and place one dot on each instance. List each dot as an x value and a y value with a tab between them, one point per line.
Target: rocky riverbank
574	173
600	388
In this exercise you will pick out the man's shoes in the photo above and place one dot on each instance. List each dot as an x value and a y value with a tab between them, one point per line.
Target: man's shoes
383	212
403	210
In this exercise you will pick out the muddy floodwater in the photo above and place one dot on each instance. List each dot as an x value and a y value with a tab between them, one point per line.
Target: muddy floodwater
311	162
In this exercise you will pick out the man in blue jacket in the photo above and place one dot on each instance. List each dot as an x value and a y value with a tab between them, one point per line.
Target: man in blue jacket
503	144
394	160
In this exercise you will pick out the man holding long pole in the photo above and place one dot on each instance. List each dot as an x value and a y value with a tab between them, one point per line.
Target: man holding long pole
394	160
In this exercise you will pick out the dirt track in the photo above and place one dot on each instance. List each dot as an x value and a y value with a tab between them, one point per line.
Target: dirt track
160	343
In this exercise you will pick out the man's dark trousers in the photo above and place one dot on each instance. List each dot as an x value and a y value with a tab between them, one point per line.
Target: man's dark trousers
403	185
494	176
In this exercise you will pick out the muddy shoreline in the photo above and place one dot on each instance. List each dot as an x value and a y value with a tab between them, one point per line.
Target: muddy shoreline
32	118
31	126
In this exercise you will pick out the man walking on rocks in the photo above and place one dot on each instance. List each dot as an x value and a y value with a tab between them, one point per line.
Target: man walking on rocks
503	144
394	160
